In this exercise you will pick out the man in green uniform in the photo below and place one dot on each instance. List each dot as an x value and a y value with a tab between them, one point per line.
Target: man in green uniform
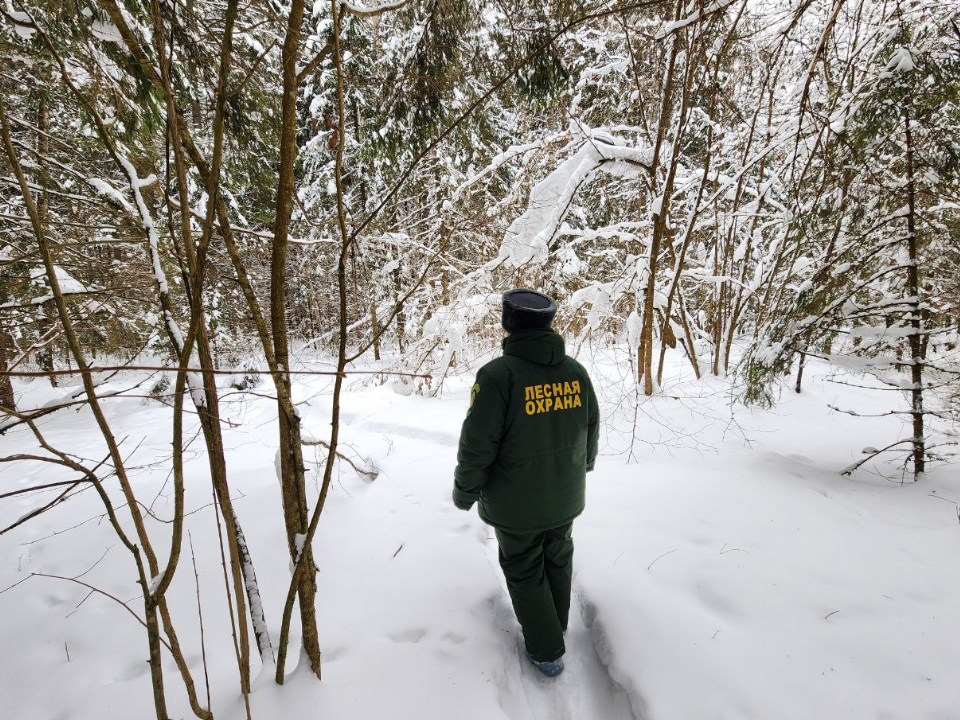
529	439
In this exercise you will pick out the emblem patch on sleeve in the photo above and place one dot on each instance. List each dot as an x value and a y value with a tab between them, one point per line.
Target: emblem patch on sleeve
474	391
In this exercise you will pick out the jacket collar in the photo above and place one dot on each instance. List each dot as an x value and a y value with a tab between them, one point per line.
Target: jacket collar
544	347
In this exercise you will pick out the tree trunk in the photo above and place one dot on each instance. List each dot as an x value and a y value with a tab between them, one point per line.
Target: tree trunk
401	317
292	480
803	361
645	364
916	323
7	399
375	328
45	357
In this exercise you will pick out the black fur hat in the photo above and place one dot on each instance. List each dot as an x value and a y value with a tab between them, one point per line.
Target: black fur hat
527	310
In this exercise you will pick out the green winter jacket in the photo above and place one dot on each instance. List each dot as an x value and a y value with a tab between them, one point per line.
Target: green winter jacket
530	436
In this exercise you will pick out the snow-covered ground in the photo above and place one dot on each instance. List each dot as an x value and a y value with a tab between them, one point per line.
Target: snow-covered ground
726	571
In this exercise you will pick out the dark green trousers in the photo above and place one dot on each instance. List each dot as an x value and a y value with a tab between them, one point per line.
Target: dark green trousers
538	568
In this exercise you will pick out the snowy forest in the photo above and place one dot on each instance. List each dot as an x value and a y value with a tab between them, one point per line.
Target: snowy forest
252	255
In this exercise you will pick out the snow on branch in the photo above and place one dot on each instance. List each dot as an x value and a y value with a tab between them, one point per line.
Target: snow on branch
528	237
900	61
68	284
107	190
505	157
669	28
23	24
373	7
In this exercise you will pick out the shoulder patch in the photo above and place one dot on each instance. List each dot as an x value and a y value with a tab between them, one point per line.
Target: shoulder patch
474	391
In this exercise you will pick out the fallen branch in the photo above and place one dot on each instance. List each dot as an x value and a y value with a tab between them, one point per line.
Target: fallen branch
872	453
341	456
208	371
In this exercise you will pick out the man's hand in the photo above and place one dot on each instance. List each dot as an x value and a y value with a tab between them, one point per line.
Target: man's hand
461	503
462	500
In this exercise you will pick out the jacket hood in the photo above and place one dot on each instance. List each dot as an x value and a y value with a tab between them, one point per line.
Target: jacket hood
544	347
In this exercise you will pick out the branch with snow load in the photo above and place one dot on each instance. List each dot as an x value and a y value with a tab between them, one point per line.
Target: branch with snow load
669	28
372	8
529	237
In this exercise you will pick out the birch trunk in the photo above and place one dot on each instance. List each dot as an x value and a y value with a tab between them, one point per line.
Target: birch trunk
916	322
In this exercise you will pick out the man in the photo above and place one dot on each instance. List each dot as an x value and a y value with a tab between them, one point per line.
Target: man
529	439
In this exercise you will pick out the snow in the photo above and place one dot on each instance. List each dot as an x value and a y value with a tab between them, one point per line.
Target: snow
600	306
106	31
669	28
871	331
110	192
155	582
299	540
900	61
136	183
16	15
68	284
634	328
714	577
499	161
26	31
373	7
656	207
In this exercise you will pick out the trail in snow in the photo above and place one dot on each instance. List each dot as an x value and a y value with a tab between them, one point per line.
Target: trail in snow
407	431
585	689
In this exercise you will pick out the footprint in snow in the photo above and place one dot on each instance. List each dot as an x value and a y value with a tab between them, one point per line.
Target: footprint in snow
332	654
132	672
455	638
407	636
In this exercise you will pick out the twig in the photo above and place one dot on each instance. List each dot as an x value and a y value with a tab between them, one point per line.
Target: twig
99	592
203	644
35	488
856	414
226	585
872	454
724	551
62	497
77	606
87	571
670	552
341	456
11	587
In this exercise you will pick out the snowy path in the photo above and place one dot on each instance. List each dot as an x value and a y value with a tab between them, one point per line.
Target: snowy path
489	654
585	689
